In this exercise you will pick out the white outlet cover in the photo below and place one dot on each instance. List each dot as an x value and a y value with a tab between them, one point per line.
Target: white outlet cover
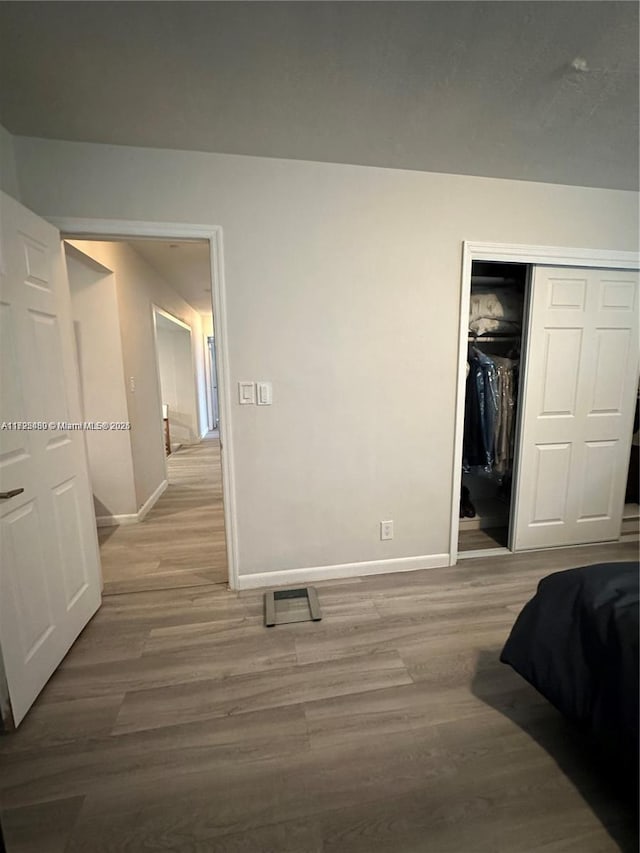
386	530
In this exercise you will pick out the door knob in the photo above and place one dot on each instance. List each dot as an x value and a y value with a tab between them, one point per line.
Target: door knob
5	495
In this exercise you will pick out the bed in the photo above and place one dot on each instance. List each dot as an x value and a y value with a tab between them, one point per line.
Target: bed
576	642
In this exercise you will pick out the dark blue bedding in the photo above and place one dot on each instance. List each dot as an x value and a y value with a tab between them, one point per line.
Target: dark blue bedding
576	642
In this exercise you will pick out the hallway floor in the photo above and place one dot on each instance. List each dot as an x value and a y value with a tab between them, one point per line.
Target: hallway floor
181	542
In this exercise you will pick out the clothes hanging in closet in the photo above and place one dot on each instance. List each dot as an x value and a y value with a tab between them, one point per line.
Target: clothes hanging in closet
481	406
489	418
507	381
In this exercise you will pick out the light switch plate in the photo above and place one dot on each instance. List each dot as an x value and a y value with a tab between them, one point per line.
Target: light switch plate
247	393
264	396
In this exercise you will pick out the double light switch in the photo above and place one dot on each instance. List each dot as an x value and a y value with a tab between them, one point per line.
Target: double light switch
255	393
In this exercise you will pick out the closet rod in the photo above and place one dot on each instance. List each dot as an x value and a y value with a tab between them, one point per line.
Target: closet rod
488	280
478	339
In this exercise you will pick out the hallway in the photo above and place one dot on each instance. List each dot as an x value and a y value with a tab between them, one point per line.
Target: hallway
181	542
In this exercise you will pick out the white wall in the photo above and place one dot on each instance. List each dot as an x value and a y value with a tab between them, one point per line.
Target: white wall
177	381
96	323
139	287
207	324
8	171
343	288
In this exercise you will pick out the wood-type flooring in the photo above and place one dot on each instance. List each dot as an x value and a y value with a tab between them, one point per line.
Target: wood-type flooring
181	542
177	722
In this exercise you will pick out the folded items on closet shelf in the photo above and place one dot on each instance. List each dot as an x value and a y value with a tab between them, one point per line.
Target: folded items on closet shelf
495	312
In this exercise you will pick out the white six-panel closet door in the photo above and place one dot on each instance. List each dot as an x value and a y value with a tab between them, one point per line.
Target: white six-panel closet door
578	403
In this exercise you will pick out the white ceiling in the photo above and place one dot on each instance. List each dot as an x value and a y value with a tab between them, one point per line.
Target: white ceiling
185	265
482	88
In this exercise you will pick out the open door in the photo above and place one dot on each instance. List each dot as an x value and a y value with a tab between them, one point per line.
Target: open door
50	582
579	398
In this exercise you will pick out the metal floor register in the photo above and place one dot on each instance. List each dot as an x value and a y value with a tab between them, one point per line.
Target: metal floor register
282	615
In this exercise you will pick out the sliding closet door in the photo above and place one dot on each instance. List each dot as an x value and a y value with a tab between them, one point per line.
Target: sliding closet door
578	405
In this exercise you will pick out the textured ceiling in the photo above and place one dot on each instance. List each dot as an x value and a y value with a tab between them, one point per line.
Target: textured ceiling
483	88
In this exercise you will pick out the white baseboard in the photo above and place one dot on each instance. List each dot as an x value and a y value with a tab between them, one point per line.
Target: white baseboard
150	501
116	520
133	517
342	570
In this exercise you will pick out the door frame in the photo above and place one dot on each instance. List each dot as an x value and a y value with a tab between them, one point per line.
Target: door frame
211	372
516	253
127	229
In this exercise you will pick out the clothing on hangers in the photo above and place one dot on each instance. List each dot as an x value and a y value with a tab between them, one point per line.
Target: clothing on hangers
481	404
490	405
507	381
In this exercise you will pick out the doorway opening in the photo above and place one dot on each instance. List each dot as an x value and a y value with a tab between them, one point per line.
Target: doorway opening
495	348
142	312
174	361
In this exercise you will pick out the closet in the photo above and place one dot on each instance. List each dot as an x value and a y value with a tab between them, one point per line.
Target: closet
550	395
495	343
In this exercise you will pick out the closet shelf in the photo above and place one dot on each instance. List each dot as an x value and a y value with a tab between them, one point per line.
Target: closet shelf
492	338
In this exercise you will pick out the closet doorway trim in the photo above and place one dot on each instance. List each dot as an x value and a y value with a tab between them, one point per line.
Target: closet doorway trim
520	254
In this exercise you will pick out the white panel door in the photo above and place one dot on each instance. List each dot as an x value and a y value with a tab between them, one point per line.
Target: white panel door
50	580
579	398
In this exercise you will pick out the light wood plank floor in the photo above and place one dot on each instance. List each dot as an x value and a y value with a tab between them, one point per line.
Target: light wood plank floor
182	541
178	722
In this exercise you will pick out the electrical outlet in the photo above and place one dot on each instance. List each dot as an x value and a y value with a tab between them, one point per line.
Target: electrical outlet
386	529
